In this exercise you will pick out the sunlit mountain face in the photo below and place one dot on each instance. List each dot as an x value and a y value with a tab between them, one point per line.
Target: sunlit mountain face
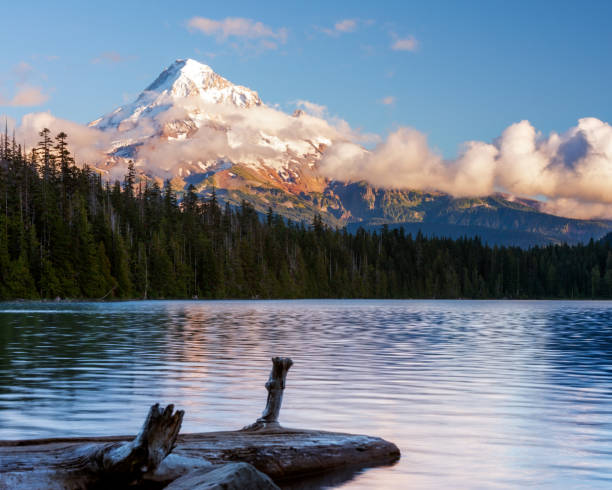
194	127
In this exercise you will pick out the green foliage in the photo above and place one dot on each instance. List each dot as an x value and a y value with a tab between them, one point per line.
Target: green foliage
65	233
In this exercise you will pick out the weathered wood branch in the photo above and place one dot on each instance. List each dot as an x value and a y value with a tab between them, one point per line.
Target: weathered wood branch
275	386
156	439
131	460
281	453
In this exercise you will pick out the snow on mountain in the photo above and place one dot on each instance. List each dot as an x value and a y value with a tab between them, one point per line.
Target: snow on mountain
182	79
191	120
195	127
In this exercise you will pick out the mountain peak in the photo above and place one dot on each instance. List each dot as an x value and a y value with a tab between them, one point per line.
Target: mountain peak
184	78
191	64
190	78
187	71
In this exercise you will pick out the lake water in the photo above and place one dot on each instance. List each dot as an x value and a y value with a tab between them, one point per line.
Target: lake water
476	394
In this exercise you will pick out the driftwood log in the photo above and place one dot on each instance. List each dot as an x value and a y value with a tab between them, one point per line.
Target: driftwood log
159	457
97	465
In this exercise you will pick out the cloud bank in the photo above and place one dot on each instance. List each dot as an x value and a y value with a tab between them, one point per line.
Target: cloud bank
87	144
571	171
316	110
230	133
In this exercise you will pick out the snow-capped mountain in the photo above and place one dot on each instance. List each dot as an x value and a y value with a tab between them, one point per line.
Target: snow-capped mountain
195	127
182	79
201	122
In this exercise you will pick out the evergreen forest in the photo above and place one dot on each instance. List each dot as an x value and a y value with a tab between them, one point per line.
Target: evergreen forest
66	232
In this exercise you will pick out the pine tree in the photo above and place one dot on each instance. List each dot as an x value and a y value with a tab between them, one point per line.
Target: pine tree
45	147
71	234
129	181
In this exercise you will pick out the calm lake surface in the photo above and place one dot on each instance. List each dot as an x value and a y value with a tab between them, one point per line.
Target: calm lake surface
476	394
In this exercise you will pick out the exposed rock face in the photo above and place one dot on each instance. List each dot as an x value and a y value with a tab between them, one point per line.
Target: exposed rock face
232	476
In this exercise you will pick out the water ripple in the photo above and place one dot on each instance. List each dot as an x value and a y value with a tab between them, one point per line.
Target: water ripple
476	394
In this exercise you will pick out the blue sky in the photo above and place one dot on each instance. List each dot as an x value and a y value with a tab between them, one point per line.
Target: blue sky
460	71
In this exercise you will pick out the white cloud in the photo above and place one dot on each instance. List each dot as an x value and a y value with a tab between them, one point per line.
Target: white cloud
388	100
346	25
240	28
403	160
87	144
343	128
343	26
235	134
405	44
316	110
230	132
26	96
573	170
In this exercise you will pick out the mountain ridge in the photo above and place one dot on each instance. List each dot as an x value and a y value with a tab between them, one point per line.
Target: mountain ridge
210	133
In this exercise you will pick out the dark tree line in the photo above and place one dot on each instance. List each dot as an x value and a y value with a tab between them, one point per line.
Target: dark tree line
65	232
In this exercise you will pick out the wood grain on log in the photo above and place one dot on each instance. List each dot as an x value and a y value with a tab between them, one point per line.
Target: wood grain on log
156	439
114	462
282	454
94	465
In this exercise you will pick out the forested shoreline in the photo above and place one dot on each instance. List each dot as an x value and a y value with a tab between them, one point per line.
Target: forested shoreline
66	232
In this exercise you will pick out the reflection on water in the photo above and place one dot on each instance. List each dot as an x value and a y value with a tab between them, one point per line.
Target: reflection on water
475	394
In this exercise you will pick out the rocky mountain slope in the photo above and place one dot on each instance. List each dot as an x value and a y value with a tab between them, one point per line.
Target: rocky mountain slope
195	127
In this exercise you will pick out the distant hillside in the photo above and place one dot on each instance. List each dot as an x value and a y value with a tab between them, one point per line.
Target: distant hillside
498	220
607	239
65	233
198	129
523	239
